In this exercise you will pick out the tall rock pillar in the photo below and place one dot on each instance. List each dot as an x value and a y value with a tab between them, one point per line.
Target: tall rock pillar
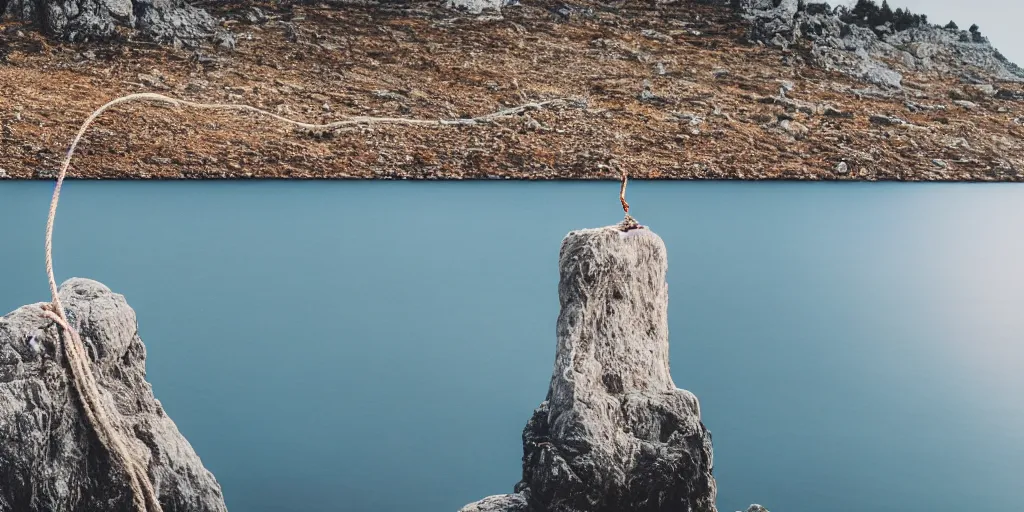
614	434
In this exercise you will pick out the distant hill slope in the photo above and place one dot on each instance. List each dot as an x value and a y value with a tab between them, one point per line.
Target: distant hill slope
690	90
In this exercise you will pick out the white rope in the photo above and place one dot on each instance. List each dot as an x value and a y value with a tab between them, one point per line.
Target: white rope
143	496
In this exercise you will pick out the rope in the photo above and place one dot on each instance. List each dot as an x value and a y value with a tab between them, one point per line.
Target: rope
143	495
628	222
622	192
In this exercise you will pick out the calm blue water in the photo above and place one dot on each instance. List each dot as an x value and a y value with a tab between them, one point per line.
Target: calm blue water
379	345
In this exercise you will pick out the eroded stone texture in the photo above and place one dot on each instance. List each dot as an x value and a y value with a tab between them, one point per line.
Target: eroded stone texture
50	458
78	20
875	58
614	433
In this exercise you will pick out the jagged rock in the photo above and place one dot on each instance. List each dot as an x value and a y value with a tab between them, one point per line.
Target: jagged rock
773	25
984	90
830	111
657	36
614	433
946	52
477	6
78	20
1006	94
225	39
863	52
918	107
886	120
50	459
794	128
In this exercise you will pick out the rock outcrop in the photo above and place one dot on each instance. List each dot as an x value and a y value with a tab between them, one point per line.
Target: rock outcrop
171	21
614	433
479	6
878	55
49	458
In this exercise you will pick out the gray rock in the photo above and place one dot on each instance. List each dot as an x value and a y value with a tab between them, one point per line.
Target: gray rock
500	503
1007	94
920	107
614	433
225	39
785	86
794	128
3	174
830	111
842	168
756	508
886	120
50	458
657	36
965	104
79	20
984	89
477	6
863	53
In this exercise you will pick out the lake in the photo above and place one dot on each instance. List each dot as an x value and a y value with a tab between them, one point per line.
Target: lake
331	346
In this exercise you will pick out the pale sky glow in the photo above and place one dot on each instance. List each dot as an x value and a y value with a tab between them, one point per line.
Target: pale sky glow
1000	20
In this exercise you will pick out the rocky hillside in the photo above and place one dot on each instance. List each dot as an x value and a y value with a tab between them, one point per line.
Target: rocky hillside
755	89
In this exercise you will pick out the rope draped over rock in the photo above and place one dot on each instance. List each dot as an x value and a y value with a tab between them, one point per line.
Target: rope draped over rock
144	496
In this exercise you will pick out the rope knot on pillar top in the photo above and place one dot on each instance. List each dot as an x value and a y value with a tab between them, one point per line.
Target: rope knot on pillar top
629	222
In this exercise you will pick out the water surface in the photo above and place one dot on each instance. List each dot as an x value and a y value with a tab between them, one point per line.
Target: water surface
380	346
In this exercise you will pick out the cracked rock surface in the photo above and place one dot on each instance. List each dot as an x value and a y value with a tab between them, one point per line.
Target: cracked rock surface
50	459
881	60
614	433
78	20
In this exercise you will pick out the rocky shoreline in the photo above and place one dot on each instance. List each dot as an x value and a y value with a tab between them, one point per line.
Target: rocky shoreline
675	90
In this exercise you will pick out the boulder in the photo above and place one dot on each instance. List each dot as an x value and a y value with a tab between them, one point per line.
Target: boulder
50	458
80	20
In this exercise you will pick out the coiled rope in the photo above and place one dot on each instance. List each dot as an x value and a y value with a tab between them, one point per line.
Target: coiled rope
143	495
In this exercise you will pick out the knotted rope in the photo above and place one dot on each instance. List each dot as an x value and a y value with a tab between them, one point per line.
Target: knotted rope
628	222
143	495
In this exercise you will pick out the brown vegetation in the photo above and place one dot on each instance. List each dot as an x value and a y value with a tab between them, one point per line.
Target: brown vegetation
670	91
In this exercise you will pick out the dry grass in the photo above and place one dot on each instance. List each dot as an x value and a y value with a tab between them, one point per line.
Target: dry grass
424	62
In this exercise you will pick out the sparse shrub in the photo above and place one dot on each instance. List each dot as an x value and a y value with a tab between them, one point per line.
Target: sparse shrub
861	13
976	34
884	15
952	26
818	8
866	13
